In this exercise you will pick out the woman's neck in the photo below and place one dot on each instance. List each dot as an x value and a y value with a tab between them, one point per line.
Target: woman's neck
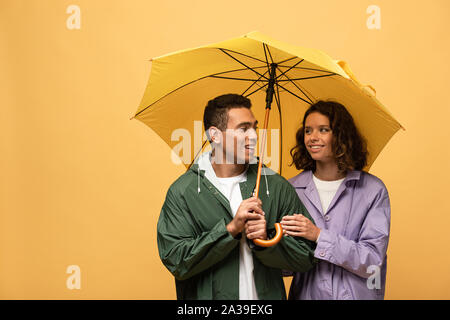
328	171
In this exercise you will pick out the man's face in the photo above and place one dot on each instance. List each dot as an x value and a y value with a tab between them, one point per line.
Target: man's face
238	142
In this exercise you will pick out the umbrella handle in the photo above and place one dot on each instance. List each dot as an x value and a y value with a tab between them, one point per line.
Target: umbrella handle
273	241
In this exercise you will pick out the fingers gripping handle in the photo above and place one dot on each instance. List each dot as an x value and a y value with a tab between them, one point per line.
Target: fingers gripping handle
274	240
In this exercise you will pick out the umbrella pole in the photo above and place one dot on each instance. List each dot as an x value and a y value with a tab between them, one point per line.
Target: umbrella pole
269	99
261	158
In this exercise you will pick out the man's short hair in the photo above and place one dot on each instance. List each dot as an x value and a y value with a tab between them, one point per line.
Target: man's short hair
216	111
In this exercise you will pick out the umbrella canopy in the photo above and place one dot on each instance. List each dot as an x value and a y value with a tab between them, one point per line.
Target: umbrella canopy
182	83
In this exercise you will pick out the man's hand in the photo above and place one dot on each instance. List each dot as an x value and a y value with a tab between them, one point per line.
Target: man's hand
256	229
250	209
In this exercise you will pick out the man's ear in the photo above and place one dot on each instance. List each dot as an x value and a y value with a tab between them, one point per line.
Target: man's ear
215	135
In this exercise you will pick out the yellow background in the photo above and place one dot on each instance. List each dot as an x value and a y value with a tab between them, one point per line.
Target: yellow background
83	185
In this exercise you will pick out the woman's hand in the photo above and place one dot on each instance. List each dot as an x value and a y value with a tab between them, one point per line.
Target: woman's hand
298	225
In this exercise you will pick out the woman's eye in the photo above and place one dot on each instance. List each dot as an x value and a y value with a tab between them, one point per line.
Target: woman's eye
324	130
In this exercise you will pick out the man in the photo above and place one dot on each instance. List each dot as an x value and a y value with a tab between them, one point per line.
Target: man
209	213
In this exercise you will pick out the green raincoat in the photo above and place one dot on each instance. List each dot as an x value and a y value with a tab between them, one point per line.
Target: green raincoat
196	247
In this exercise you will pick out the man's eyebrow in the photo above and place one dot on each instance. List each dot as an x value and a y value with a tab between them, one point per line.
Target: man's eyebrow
247	123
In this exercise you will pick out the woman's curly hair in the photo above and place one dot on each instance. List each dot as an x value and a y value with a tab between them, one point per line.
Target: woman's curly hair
349	146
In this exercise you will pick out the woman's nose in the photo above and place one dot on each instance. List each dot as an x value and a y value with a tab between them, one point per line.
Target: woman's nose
314	136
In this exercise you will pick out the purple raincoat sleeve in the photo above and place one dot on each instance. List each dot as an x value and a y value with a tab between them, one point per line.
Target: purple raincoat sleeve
371	245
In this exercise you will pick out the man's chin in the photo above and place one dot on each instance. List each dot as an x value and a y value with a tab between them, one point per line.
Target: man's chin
248	160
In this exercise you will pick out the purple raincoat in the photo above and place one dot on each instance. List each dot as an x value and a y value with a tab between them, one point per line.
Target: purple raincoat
353	240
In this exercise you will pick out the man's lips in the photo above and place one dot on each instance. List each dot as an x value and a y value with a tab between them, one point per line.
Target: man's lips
250	148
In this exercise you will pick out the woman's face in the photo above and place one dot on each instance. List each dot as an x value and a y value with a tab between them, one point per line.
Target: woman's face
319	137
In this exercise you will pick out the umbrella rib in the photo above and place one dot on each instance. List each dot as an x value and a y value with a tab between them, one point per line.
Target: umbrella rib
184	85
231	78
306	78
287	60
265	55
260	88
253	83
237	60
234	70
270	55
278	101
169	93
293	93
242	54
298	87
203	145
283	73
312	69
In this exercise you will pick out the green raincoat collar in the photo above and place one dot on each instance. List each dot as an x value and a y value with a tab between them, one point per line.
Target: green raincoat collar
247	187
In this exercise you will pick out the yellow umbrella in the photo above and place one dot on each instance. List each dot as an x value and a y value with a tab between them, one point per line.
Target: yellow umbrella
263	69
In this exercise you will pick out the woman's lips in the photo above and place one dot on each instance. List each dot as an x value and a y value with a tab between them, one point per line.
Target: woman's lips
315	148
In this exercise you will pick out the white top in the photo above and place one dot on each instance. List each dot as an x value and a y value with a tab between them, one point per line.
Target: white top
229	187
327	190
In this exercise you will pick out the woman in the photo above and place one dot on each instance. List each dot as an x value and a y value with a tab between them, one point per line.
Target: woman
350	209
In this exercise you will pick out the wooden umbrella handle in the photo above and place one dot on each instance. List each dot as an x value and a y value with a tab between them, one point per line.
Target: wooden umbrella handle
278	228
273	241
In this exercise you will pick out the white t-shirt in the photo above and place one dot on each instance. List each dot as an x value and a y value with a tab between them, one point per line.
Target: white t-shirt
230	188
327	190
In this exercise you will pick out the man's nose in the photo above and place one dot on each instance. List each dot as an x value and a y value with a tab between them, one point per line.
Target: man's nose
252	135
